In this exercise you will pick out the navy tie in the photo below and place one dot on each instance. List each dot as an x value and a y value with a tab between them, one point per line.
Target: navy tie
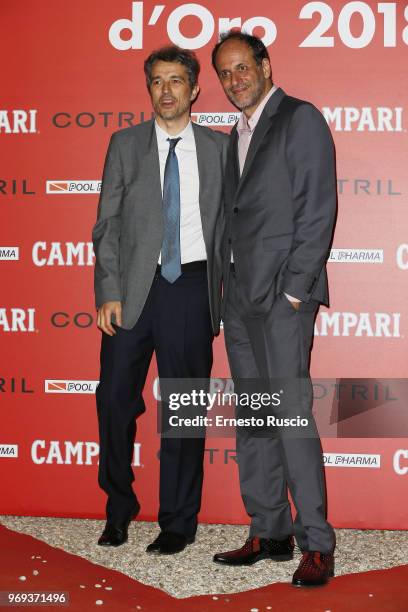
170	253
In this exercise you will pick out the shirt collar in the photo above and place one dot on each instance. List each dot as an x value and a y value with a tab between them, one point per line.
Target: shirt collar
245	124
187	135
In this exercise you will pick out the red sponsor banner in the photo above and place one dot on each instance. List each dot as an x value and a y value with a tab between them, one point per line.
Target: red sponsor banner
57	112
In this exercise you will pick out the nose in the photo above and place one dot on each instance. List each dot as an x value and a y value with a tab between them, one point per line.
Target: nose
165	87
235	78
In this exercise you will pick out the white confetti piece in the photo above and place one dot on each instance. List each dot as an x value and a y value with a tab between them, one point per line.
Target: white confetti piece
215	598
35	572
103	579
38	557
108	588
81	586
44	561
33	557
98	586
254	610
370	595
22	578
99	602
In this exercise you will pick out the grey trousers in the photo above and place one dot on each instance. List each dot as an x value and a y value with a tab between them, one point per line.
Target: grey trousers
278	346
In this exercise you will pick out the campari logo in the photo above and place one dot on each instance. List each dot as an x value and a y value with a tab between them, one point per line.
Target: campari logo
67	452
17	319
18	121
364	119
358	324
400	462
63	254
402	257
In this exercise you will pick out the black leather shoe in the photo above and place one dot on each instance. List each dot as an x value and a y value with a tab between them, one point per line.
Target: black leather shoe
168	543
155	545
256	549
116	535
113	536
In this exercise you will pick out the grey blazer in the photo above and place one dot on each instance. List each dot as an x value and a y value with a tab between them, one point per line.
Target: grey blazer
128	233
280	212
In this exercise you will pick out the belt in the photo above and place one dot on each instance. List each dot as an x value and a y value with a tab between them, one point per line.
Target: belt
190	266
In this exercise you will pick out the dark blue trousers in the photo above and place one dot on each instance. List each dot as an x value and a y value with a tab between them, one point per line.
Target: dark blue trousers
176	324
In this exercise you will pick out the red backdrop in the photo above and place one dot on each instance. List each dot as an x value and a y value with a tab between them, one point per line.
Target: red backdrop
71	76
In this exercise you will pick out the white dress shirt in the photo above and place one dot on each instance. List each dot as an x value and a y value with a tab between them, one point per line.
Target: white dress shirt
192	246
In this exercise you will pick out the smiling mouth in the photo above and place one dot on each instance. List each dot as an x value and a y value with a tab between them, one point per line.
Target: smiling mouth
238	91
167	101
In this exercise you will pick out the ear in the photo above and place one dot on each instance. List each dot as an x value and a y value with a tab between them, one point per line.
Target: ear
266	68
194	92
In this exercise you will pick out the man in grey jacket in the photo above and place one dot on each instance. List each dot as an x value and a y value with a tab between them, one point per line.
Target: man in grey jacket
280	210
157	242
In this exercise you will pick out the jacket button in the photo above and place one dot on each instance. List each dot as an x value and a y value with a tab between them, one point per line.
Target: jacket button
236	209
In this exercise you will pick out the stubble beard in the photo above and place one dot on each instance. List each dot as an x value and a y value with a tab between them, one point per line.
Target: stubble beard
254	100
171	115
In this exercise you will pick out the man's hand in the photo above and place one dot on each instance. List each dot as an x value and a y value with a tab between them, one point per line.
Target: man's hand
104	320
296	305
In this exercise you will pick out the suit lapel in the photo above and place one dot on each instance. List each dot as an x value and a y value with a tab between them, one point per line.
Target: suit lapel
263	126
205	157
233	161
150	155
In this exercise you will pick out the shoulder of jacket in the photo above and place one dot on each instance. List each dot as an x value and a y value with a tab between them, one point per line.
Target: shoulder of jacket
134	131
290	105
215	135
